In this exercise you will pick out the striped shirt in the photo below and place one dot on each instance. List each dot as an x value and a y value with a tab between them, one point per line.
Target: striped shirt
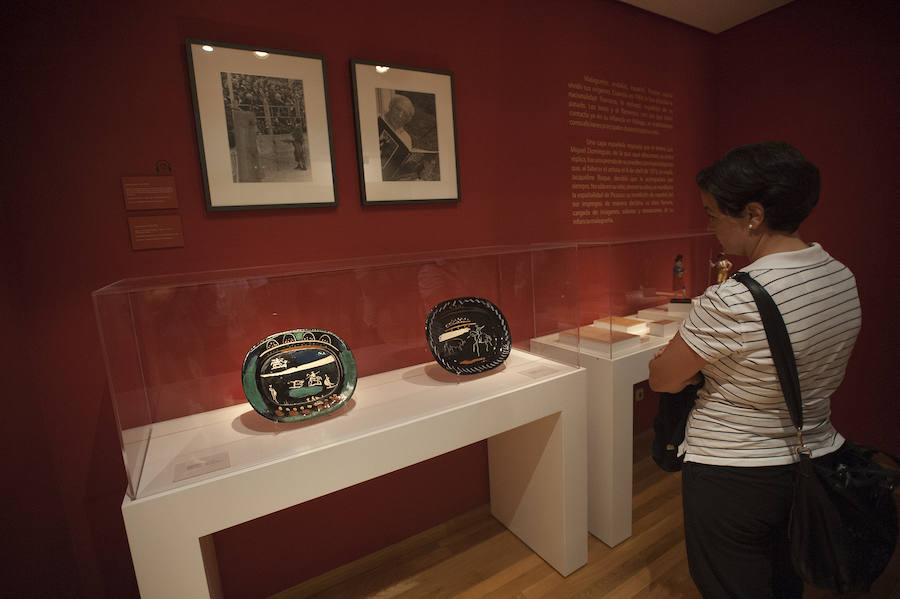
740	417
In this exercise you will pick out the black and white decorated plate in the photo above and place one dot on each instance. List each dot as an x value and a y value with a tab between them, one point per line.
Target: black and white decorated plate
468	335
297	375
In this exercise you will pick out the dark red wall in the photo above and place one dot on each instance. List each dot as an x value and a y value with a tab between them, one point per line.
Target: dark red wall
822	75
98	91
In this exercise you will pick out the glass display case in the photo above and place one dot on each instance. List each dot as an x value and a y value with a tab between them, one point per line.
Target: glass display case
174	346
632	297
634	293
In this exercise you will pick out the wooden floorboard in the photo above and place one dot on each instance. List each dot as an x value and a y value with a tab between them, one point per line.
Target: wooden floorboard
474	556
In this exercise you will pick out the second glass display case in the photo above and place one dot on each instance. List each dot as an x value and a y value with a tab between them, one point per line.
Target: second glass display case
635	293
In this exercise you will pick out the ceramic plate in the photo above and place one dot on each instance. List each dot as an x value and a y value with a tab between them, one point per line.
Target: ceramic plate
297	375
468	335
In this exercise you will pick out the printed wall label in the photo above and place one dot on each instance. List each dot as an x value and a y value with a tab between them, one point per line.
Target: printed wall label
149	193
154	232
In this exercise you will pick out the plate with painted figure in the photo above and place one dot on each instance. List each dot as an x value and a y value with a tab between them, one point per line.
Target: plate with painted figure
468	335
297	375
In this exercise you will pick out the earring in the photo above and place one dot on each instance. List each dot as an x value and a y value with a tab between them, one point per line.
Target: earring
750	227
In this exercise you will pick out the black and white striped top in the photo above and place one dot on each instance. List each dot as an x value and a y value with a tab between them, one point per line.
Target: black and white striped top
740	418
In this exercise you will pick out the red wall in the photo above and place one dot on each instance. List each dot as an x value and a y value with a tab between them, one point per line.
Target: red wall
822	75
100	90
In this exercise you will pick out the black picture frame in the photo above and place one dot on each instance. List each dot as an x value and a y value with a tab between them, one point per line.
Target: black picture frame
405	133
263	126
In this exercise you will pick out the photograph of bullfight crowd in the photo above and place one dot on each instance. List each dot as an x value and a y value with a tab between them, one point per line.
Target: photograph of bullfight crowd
267	134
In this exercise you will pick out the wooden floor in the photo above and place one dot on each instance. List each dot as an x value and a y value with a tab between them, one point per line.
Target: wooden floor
475	556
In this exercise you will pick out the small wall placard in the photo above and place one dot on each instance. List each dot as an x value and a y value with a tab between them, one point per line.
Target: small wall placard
153	232
149	193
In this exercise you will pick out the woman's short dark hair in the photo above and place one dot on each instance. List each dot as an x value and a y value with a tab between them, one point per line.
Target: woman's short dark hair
773	173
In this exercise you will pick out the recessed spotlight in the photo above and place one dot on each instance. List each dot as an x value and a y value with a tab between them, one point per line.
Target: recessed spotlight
206	48
261	54
382	69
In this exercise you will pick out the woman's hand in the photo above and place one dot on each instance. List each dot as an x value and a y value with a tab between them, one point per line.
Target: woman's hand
675	366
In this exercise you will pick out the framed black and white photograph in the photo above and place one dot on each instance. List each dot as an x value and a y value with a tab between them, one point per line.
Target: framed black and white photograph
262	126
406	134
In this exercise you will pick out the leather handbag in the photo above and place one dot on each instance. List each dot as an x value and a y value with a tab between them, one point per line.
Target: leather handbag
843	521
668	426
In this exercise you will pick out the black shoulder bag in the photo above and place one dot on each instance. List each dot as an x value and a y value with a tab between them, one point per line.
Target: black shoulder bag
843	525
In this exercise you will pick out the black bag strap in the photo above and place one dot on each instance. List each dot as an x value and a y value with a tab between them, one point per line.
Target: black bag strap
780	345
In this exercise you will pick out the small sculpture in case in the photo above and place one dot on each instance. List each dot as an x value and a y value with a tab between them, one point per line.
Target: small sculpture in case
678	286
297	375
723	266
468	335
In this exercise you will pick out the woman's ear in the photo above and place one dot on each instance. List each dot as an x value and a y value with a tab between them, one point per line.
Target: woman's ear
755	215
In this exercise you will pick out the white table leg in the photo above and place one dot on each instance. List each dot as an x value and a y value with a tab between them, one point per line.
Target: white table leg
169	559
538	482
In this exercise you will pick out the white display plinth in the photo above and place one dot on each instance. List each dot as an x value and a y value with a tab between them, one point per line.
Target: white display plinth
611	380
531	410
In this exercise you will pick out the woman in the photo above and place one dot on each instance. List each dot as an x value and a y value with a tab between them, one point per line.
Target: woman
739	441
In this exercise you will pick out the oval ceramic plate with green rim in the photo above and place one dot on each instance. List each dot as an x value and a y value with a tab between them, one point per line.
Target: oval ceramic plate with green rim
297	375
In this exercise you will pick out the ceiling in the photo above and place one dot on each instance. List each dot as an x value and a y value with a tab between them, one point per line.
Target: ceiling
714	16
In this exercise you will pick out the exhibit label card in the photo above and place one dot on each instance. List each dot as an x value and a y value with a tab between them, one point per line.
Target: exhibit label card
149	193
153	232
197	465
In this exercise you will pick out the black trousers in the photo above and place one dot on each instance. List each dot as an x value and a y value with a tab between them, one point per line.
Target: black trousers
735	527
